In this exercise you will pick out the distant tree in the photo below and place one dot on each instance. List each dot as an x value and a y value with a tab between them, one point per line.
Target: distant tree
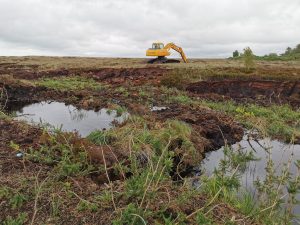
297	49
248	59
288	51
273	55
235	54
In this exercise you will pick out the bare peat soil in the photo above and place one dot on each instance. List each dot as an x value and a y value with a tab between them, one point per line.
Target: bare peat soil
259	91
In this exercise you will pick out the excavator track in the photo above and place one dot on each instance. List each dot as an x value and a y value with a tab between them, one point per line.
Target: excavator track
162	59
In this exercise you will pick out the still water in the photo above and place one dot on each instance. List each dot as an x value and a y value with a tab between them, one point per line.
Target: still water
263	149
69	118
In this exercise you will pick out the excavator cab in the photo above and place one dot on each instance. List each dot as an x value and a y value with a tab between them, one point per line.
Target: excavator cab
160	50
158	46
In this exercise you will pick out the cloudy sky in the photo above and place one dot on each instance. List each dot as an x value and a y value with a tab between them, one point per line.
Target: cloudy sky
125	28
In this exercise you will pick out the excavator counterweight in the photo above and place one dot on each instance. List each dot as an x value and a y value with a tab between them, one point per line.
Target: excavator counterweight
161	51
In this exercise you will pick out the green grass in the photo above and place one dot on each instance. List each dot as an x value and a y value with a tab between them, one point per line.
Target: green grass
149	194
277	121
3	115
70	84
19	220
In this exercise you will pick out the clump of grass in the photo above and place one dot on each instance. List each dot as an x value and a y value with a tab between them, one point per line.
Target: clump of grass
101	137
14	196
3	115
73	83
277	121
175	79
63	151
123	91
19	220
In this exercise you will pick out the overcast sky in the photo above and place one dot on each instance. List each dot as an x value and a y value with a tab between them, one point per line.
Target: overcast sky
126	28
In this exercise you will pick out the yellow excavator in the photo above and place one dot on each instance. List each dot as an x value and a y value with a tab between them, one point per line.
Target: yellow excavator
161	51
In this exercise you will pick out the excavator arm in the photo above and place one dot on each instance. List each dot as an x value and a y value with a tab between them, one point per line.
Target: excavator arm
177	49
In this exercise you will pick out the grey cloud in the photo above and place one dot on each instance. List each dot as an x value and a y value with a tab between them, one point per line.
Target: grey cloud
204	28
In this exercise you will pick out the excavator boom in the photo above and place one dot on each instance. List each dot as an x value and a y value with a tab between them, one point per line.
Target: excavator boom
177	49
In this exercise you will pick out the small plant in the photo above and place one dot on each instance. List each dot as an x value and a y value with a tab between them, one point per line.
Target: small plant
84	205
99	137
120	110
247	204
237	158
14	197
20	220
3	99
248	59
122	91
131	215
105	199
17	200
56	203
183	99
201	219
4	192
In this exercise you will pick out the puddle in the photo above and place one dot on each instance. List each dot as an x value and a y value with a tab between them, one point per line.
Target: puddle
158	108
280	153
69	118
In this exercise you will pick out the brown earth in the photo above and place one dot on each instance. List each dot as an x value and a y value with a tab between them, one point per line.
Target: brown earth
107	75
259	91
119	76
216	128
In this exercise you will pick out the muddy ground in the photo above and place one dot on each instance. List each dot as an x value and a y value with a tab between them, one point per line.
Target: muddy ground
211	129
257	91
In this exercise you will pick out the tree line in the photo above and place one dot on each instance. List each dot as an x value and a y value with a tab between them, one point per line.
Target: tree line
289	54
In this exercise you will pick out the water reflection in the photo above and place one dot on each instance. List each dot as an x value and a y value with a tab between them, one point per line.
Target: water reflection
264	149
69	118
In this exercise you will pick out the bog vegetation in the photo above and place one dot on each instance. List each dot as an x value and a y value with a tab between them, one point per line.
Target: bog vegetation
146	177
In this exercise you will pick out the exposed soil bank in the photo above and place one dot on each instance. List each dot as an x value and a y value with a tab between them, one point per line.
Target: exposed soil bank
215	129
109	75
119	76
264	91
16	94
